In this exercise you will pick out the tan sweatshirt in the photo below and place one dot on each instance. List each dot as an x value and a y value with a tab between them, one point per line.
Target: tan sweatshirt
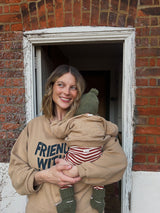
37	148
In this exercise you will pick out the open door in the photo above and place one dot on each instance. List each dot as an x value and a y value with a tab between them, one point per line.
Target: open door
106	78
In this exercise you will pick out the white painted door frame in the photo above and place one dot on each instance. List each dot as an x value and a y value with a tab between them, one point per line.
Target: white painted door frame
91	34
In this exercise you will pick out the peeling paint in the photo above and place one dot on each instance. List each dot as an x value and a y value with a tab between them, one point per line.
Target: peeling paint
10	201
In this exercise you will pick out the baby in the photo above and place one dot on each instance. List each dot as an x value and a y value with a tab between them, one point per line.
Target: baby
85	134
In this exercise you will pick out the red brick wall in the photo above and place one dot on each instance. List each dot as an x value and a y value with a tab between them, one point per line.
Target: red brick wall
17	16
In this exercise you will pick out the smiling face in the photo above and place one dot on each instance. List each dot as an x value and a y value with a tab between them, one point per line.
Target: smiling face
64	93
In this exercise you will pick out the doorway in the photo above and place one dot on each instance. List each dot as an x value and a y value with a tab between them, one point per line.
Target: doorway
101	66
99	36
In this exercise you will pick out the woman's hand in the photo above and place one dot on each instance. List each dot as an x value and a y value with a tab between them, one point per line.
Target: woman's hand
73	172
55	175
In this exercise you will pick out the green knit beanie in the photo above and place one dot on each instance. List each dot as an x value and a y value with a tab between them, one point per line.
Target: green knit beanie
89	103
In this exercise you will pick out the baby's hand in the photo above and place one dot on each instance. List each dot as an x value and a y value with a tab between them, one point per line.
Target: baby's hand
73	172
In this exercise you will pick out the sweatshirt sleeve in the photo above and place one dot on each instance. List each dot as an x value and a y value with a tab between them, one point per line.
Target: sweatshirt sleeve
109	168
60	128
20	172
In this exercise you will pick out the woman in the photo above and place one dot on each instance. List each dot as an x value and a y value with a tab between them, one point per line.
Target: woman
35	167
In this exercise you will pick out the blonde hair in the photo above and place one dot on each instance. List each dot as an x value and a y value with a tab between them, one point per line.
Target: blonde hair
48	105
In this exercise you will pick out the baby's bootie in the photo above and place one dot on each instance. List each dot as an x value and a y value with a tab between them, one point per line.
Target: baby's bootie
97	200
68	204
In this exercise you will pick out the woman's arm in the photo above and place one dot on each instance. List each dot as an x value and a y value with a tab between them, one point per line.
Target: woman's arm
27	180
109	168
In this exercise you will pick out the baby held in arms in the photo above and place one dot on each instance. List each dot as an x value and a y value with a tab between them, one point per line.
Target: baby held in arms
85	134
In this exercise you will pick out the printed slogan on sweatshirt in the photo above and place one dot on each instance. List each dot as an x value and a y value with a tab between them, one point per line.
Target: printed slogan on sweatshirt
46	154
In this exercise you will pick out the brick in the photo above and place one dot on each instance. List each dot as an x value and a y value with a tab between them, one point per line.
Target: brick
148	72
11	109
145	149
152	62
139	158
156	2
140	139
155	31
51	21
123	5
141	62
154	21
141	101
6	9
34	23
12	91
103	18
152	82
2	135
15	100
142	42
158	158
148	111
141	82
16	27
25	15
143	31
153	101
151	139
154	11
95	13
151	121
148	130
154	42
68	5
42	14
112	19
85	19
9	126
121	20
148	91
104	4
32	8
158	62
143	167
2	82
68	19
41	8
77	12
50	6
10	18
14	8
42	22
151	158
11	55
114	5
1	28
17	118
157	139
59	16
158	121
142	21
2	117
140	120
7	27
146	2
18	82
16	46
130	21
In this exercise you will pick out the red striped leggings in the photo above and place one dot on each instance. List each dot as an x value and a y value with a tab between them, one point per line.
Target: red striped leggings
77	155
